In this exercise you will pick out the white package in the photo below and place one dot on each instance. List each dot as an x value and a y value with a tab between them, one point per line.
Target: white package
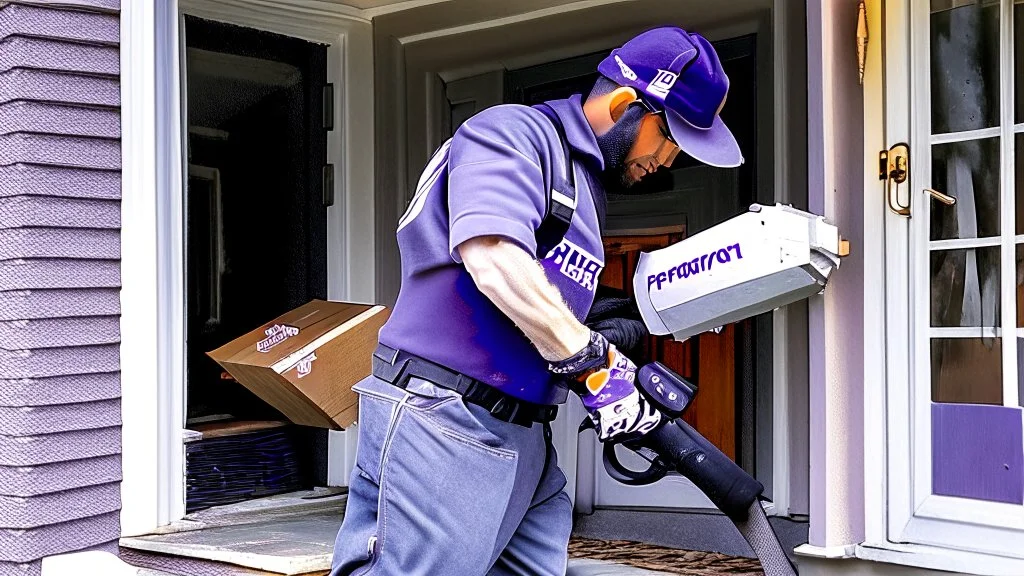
755	262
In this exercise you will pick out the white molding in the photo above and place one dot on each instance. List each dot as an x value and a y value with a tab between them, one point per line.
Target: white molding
92	563
371	13
934	558
152	489
830	552
514	19
1007	204
897	329
780	342
874	250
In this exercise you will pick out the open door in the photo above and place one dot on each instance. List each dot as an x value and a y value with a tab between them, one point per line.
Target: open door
255	245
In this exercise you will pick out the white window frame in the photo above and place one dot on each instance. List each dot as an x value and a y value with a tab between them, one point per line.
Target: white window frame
915	515
152	328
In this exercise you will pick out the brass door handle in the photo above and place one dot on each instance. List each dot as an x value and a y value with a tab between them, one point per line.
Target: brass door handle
894	169
945	199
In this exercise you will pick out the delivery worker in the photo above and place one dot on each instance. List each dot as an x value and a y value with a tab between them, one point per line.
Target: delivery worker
455	472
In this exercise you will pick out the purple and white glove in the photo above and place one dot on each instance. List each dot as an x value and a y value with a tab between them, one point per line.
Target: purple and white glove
607	381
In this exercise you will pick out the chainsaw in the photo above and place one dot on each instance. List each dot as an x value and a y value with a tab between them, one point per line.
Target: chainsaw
765	258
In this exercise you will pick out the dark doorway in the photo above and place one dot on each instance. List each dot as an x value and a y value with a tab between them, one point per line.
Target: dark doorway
676	202
255	242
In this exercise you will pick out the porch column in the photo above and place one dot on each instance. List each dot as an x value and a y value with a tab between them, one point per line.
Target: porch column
836	318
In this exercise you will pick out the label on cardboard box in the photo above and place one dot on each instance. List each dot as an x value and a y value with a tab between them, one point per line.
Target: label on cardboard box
275	335
305	366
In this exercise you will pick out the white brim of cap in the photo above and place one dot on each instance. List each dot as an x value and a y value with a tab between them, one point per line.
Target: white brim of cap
715	146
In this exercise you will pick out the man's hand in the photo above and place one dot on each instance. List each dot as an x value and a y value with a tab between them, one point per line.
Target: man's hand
615	405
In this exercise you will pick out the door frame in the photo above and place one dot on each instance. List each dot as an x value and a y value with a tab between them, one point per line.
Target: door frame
152	297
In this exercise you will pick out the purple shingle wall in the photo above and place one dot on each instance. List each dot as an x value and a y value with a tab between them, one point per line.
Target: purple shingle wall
60	179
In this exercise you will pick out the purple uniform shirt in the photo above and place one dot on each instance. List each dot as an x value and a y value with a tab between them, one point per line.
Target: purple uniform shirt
491	178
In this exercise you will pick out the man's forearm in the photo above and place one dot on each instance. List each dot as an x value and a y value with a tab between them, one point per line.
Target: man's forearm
516	284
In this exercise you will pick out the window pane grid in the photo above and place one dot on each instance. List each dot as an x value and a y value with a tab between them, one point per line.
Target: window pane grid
972	285
949	137
962	243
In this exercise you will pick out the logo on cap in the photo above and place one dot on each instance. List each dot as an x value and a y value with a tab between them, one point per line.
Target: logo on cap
662	83
626	70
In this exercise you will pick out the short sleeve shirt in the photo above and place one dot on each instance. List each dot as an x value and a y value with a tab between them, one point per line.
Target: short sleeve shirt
492	178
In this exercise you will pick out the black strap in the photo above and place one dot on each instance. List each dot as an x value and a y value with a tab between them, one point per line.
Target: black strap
561	199
397	367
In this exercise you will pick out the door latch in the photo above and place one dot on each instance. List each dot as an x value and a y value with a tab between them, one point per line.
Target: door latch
893	169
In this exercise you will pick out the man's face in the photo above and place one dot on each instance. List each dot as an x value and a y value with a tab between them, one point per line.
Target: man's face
652	149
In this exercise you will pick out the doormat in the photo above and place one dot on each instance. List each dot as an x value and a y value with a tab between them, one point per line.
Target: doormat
671	560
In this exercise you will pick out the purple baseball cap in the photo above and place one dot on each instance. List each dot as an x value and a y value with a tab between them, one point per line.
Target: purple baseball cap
681	74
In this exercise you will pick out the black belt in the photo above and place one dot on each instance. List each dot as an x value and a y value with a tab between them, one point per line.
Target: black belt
397	367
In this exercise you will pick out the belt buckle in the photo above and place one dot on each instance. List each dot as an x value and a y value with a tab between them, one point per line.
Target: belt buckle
501	409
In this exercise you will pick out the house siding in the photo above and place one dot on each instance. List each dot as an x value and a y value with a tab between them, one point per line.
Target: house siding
60	161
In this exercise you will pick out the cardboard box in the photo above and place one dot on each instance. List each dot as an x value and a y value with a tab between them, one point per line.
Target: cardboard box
753	263
305	362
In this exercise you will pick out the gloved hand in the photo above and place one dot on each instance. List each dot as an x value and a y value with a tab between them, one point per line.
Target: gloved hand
616	317
605	379
615	405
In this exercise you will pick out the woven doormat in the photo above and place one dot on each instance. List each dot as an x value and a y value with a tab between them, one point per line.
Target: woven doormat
673	561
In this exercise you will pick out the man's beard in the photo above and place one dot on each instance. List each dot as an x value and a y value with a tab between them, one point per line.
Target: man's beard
615	145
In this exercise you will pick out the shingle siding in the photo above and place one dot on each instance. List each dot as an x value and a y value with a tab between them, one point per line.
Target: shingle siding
60	162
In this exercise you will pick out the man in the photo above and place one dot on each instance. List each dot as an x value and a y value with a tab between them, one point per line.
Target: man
455	472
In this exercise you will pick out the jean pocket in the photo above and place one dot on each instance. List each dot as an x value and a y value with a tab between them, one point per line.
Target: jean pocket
438	487
449	412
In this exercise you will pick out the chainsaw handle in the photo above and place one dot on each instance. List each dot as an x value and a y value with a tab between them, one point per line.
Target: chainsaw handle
620	473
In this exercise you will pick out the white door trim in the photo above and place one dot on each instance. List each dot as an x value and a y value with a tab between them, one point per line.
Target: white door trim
152	349
152	352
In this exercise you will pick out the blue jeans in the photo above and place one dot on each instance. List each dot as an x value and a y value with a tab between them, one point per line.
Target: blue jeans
442	488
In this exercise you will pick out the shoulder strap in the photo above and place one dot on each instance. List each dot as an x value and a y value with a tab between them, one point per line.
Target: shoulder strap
561	199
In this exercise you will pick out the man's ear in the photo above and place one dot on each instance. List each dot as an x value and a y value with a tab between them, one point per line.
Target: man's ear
619	100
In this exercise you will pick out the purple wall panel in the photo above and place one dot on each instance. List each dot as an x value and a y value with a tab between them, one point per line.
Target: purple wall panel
49	54
59	332
977	452
25	513
102	153
63	182
46	118
36	420
59	361
56	273
30	545
35	304
59	87
26	481
60	243
59	390
60	186
47	212
25	20
63	447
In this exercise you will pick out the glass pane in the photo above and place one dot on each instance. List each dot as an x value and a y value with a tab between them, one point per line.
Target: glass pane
1020	370
965	287
964	65
1019	262
967	370
968	171
1018	181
